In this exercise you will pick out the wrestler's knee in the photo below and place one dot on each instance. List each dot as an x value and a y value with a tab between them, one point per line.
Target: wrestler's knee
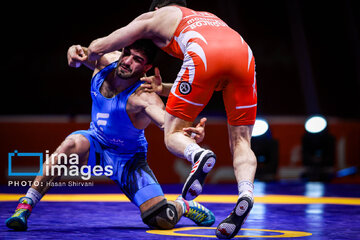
76	143
162	215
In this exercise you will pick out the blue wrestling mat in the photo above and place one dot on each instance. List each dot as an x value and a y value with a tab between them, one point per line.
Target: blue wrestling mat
281	210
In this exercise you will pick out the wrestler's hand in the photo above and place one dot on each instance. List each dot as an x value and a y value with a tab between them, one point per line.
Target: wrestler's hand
198	132
75	56
153	83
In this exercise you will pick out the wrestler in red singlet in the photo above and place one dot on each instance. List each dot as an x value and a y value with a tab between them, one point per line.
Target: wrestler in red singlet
215	57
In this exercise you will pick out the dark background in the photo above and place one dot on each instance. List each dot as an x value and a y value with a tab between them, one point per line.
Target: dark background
307	53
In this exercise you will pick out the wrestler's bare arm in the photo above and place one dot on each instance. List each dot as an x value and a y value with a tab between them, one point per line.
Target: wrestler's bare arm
77	55
153	108
158	26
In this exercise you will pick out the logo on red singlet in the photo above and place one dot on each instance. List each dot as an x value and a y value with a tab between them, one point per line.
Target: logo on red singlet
184	88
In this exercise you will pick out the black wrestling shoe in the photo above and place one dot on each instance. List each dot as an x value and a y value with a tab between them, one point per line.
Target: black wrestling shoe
229	227
204	162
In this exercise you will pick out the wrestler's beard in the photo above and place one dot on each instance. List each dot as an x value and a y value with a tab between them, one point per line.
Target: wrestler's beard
124	73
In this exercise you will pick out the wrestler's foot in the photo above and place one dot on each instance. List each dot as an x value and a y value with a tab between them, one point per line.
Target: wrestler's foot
18	221
229	227
204	161
197	212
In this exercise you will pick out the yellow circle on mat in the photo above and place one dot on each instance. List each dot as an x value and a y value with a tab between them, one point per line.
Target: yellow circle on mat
175	232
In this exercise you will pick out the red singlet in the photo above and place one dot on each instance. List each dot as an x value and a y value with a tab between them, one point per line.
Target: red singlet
215	57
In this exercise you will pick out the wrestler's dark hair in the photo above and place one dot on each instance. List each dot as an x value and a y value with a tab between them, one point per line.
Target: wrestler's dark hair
147	47
163	3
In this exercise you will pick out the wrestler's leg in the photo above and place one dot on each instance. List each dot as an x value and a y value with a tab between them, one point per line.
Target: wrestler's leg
244	162
182	146
160	213
146	193
75	143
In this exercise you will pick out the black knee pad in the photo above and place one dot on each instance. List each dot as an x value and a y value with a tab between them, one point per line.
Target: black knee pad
161	216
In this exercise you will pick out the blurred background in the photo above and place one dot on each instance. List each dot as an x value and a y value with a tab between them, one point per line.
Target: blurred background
307	62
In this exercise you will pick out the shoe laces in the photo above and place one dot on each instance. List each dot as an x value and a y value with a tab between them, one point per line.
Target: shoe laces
196	212
19	211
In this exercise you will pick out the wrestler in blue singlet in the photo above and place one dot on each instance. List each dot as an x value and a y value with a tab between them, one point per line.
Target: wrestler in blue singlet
116	142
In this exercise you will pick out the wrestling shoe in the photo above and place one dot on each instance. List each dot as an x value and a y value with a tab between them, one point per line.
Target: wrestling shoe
232	224
18	221
204	161
198	213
